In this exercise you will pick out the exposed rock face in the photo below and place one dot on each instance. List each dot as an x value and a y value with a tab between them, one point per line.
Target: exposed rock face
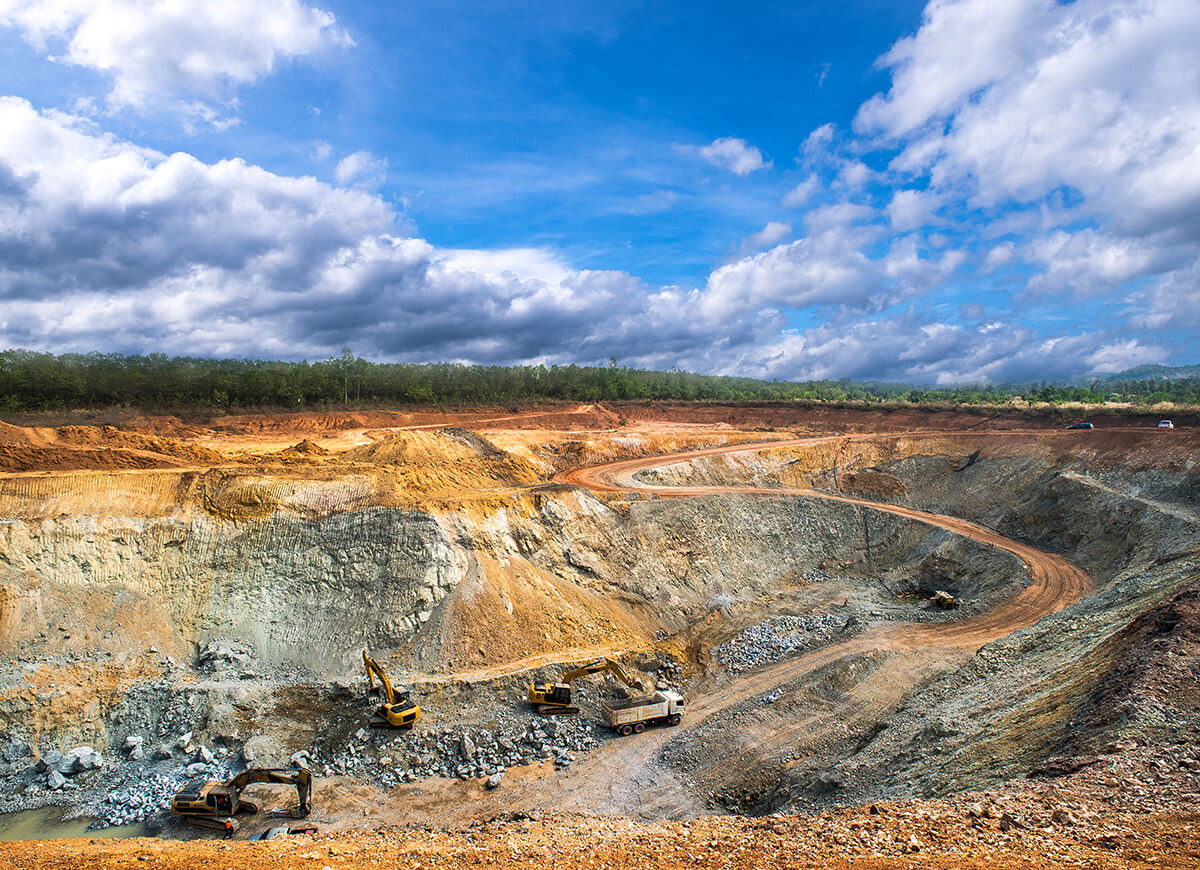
270	584
873	482
293	589
550	570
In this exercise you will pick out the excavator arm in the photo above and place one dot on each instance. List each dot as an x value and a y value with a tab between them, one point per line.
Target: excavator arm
554	699
301	779
373	672
600	666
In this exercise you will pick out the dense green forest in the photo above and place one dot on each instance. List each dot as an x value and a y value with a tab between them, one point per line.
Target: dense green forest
38	381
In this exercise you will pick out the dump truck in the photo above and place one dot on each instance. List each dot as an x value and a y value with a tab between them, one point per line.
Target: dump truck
633	715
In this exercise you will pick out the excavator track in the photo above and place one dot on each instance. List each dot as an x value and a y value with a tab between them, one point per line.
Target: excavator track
226	826
557	710
378	721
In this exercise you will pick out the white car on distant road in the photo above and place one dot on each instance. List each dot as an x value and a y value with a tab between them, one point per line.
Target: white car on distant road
1165	424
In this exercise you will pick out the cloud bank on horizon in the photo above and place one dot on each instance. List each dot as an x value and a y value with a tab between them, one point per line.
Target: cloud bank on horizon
1016	197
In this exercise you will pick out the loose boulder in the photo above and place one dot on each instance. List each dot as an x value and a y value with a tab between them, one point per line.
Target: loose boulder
16	750
83	758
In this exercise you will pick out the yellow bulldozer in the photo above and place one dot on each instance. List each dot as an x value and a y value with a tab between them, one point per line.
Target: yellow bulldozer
554	699
398	709
210	803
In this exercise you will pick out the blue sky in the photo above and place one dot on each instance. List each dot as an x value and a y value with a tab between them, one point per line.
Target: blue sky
963	191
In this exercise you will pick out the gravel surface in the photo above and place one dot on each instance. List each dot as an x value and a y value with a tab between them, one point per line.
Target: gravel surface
466	753
782	636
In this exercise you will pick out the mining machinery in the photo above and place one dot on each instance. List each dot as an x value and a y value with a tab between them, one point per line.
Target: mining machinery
210	803
554	699
398	710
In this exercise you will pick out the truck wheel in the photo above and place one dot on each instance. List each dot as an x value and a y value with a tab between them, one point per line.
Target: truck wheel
673	720
625	730
639	727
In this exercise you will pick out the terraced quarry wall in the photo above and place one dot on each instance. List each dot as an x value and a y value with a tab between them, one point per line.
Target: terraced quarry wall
310	568
453	554
1123	511
549	572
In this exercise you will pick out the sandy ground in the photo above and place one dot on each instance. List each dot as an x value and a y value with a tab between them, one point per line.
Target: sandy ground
931	835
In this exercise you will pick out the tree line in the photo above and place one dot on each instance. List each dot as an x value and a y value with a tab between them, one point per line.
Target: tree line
31	381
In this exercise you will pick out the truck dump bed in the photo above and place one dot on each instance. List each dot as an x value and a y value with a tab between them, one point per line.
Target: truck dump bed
632	710
627	703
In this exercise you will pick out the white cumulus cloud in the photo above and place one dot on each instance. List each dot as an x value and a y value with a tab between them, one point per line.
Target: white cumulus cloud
912	209
107	245
362	168
155	49
772	234
736	155
802	192
912	349
826	268
1019	100
1075	125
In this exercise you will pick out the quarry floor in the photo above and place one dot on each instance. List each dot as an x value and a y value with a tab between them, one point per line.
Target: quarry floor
1131	804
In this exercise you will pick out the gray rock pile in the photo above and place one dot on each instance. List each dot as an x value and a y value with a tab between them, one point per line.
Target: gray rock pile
134	747
146	792
778	638
16	750
465	753
58	766
227	655
669	677
138	802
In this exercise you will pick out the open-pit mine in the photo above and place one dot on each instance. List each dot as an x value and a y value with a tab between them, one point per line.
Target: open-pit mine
906	638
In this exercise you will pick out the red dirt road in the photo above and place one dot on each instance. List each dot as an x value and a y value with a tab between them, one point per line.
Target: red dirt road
1056	582
625	777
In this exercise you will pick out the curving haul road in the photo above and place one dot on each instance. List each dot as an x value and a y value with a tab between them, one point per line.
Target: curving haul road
626	776
1056	582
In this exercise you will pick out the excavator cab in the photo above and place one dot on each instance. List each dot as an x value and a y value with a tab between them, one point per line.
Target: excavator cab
401	714
206	797
552	699
223	801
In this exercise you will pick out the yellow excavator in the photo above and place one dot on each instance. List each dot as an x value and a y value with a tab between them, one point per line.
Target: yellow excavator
209	803
398	710
554	699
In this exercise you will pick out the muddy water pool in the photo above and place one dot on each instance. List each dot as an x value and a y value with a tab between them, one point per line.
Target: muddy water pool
47	823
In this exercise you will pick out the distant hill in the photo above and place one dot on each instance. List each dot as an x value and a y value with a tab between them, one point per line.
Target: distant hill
1154	370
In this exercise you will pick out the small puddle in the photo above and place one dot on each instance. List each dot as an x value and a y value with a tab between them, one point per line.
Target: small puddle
47	824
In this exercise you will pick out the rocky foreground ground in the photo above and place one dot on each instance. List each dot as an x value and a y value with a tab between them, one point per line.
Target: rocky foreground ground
998	832
1130	806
